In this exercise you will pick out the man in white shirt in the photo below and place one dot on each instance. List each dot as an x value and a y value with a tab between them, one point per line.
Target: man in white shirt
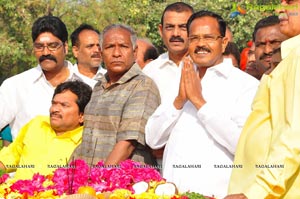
29	94
86	49
166	69
201	127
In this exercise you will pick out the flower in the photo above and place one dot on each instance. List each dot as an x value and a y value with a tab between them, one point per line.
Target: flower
117	179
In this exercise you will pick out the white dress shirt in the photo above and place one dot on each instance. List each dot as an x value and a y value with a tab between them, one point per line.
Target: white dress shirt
166	74
204	138
26	95
90	81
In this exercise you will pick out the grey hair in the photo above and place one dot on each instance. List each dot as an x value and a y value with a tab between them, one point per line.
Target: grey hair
133	36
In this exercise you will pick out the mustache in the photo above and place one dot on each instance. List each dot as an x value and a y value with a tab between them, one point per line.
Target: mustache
202	48
49	57
55	114
176	38
265	55
96	56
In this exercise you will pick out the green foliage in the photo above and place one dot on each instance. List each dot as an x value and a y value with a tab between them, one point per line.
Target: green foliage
17	17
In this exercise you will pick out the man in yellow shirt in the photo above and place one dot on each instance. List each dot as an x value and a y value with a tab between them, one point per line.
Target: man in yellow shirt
46	143
269	146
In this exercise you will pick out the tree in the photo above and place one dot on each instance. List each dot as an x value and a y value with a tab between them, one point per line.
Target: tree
17	17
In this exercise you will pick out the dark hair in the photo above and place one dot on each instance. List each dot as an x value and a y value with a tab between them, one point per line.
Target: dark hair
265	22
205	13
79	88
232	49
177	7
50	24
133	36
150	53
75	34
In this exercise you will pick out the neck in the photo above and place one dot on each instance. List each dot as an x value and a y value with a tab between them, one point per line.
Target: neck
202	71
87	71
58	76
176	58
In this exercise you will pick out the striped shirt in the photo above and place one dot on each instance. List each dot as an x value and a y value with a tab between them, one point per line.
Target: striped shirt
119	112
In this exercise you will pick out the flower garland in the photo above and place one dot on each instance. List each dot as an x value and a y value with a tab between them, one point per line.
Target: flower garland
65	181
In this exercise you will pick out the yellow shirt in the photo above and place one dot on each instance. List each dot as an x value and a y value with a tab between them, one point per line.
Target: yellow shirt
269	146
37	149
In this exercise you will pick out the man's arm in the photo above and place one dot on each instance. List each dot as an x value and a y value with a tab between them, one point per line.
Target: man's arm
121	151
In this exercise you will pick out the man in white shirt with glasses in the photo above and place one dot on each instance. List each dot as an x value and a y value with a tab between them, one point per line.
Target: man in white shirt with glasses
29	93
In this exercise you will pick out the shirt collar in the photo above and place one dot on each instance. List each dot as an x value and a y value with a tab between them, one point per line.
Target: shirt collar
288	45
38	72
75	135
132	72
100	72
164	60
224	68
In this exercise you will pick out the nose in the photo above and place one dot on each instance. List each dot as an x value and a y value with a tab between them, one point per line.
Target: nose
96	48
46	51
54	108
176	31
268	48
116	51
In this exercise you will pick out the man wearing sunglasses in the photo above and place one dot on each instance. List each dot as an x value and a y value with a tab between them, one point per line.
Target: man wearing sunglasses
28	94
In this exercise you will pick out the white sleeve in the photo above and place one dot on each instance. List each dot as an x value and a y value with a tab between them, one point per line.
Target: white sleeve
226	126
160	125
8	105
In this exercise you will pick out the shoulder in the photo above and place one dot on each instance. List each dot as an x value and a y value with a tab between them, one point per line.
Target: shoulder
24	77
156	64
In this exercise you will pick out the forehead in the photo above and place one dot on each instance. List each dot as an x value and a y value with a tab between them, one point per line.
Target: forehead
86	34
65	96
173	17
269	33
116	34
204	25
46	37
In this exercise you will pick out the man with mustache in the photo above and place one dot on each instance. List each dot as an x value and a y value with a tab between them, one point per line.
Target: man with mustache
28	94
201	127
86	50
166	69
269	146
267	37
46	143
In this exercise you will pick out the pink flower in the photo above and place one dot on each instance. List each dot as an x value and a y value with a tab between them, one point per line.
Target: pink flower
29	186
3	178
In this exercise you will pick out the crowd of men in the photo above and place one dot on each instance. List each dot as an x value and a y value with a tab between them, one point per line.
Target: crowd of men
211	127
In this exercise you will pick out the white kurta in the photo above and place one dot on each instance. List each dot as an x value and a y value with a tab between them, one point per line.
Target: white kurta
166	75
206	138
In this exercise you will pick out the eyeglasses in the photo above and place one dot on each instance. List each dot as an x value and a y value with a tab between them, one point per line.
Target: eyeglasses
51	46
205	38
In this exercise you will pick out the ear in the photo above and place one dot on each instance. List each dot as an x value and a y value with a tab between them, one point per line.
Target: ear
81	118
160	29
224	43
75	51
135	51
66	47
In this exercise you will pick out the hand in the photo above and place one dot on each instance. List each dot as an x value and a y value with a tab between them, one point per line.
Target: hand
236	196
192	84
181	98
